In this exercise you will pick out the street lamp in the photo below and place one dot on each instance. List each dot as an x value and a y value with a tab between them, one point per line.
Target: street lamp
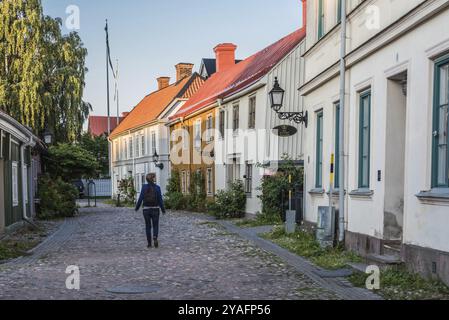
48	137
277	96
156	161
277	101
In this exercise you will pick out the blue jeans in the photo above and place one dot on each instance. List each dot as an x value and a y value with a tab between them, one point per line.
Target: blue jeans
152	223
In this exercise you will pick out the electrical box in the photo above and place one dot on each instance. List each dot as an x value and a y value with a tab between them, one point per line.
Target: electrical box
326	227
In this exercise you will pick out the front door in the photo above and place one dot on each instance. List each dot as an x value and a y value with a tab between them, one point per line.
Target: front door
395	157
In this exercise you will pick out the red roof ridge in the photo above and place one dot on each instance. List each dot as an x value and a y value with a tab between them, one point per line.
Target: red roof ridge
244	74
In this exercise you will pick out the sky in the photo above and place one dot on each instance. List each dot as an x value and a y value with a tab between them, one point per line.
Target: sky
149	37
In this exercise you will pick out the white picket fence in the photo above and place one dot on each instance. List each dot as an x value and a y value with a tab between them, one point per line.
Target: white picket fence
102	186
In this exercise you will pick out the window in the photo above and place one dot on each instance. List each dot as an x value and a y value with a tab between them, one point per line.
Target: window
252	113
15	184
197	134
319	150
222	123
209	182
235	118
320	19
125	151
116	151
339	11
440	167
137	144
337	145
188	182
130	148
364	139
25	183
249	179
209	128
153	143
184	182
142	143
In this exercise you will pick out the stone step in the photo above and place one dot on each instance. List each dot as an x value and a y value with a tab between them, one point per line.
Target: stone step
384	261
392	249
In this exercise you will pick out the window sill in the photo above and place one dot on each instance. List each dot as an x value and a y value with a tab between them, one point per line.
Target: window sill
335	193
438	196
361	193
317	192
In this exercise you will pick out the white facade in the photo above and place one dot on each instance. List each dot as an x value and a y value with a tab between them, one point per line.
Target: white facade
239	153
393	48
132	153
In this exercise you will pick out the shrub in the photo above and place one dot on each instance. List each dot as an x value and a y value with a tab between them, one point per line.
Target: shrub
275	187
230	203
58	198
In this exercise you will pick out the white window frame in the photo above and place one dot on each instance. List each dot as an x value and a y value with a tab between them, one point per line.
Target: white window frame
25	186
209	128
15	183
197	134
209	182
153	142
184	182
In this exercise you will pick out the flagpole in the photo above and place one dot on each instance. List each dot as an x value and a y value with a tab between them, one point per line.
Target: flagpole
107	79
117	92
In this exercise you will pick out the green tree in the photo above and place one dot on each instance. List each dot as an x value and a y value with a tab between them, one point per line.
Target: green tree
70	162
99	148
41	71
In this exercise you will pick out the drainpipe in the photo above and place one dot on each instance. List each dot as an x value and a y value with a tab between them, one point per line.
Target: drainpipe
342	124
24	180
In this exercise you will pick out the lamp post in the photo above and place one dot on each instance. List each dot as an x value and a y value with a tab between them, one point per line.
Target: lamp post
277	102
156	161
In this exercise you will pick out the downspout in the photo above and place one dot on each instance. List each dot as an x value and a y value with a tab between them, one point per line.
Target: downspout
342	211
24	178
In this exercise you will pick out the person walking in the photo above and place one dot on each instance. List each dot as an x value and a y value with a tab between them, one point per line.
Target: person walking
151	199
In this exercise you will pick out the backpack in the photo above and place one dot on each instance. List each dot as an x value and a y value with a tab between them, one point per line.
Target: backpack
150	197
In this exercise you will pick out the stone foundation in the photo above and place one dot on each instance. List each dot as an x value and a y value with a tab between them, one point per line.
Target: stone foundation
363	244
431	264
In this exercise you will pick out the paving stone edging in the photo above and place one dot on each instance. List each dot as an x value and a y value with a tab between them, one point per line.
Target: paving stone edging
337	284
52	243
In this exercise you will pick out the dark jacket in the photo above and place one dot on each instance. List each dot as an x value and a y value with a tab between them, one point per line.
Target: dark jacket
158	196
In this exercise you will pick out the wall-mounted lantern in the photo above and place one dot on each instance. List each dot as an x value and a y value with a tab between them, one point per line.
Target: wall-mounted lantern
277	101
156	161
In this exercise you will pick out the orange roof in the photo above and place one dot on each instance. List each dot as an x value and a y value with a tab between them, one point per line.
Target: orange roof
241	75
153	105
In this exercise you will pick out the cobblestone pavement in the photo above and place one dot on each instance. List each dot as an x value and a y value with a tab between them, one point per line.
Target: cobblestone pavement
197	260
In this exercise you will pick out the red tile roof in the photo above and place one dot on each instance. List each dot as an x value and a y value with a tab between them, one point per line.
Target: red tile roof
241	75
151	107
98	125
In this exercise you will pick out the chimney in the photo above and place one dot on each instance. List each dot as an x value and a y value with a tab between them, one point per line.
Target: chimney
183	70
304	13
125	114
225	56
163	82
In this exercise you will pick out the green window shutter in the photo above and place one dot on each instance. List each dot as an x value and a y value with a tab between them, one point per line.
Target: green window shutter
364	140
319	151
440	152
337	145
320	19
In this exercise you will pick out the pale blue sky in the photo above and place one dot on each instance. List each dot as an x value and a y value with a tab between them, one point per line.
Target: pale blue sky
150	36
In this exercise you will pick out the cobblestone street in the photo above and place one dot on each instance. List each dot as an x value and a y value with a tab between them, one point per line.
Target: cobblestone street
197	259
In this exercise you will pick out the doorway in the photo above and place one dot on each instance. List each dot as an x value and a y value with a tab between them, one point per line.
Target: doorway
395	157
